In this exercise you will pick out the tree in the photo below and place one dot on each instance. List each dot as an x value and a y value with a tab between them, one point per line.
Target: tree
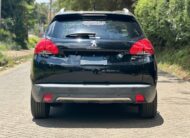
40	13
166	22
94	4
19	12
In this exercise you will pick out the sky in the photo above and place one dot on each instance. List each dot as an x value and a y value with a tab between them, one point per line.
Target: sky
40	1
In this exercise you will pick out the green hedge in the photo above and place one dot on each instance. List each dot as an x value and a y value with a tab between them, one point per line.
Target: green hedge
166	22
32	41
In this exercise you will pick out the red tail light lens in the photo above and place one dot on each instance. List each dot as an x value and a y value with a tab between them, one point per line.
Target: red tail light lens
46	46
143	46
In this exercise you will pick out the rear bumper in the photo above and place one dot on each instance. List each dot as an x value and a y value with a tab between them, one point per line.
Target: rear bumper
93	93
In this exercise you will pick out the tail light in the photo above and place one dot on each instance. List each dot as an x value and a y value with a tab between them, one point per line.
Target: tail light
46	46
143	46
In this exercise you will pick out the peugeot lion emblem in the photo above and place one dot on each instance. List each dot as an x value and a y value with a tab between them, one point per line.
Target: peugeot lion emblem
94	44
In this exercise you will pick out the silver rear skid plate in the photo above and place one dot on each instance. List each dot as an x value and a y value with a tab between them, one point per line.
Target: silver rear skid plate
94	100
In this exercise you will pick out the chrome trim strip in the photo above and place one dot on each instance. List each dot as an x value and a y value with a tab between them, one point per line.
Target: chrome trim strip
104	100
93	86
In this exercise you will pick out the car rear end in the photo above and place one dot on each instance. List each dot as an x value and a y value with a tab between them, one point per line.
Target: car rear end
94	57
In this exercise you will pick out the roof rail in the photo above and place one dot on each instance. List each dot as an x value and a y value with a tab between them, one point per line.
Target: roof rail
62	10
126	10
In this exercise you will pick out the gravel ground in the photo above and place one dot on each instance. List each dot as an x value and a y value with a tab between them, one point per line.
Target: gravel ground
17	54
92	120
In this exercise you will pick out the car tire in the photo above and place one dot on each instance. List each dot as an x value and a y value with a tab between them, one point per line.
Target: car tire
148	110
39	110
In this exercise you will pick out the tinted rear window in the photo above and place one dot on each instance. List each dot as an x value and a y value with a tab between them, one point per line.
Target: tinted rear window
111	28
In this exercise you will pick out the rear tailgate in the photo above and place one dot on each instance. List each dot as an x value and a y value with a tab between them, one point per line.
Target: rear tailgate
99	60
81	62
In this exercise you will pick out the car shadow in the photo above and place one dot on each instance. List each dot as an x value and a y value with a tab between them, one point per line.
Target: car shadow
97	116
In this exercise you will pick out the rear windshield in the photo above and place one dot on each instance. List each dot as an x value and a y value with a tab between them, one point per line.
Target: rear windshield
103	28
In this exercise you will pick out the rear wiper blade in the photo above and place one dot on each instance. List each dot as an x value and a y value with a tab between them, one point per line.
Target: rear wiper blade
81	35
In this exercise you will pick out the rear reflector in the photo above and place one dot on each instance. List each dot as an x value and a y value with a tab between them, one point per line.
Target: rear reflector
46	46
143	46
139	98
47	98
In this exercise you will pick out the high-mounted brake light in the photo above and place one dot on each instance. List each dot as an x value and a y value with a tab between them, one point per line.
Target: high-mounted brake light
143	46
46	46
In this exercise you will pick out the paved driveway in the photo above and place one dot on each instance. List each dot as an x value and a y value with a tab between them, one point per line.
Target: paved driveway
92	120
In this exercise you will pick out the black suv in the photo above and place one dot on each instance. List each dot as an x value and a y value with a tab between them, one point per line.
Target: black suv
94	57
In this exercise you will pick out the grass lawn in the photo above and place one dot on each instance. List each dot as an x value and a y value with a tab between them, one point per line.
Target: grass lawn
175	61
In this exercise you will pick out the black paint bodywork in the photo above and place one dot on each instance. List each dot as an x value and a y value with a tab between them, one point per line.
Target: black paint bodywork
121	67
